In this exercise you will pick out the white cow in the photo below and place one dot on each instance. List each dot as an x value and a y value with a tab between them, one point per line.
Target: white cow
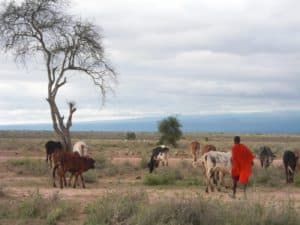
216	165
80	147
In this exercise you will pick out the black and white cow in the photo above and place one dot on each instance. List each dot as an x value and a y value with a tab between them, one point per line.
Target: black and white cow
159	154
266	156
289	161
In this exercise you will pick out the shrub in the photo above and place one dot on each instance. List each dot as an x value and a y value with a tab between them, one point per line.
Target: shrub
130	136
170	131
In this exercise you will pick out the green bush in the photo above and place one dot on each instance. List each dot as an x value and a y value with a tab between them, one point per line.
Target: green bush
130	136
170	131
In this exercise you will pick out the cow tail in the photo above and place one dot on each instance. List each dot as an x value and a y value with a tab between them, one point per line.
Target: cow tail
290	169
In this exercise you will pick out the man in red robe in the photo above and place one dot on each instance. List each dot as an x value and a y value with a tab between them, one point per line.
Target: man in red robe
242	161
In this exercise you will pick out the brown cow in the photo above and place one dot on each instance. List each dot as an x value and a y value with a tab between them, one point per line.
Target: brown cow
194	149
297	154
208	148
73	163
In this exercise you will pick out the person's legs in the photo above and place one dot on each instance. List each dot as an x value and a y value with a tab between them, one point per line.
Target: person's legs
245	187
234	186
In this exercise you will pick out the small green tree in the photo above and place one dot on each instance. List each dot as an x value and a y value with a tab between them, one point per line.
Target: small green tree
170	131
130	136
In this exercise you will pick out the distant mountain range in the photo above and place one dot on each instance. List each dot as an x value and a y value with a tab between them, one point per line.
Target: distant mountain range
275	122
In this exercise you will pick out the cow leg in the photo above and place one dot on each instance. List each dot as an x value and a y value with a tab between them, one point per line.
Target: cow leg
207	178
61	174
75	182
65	180
234	187
245	188
211	180
287	174
262	163
220	180
70	180
53	175
50	159
82	181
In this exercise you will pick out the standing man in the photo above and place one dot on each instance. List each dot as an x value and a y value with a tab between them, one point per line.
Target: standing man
242	160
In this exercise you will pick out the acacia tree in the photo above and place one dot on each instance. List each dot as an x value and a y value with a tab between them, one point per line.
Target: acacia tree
170	131
64	43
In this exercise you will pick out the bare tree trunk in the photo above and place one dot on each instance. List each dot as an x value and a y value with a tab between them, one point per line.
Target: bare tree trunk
62	129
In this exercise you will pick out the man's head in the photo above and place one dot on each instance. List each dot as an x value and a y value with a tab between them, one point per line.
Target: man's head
237	139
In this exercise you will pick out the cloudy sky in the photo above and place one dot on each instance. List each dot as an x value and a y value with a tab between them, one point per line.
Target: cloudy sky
174	57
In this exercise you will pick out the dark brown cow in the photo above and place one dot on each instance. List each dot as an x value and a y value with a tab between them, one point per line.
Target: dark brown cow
51	147
289	161
73	163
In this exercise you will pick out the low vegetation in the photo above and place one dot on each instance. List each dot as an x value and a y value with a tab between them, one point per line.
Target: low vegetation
35	209
271	177
134	208
28	166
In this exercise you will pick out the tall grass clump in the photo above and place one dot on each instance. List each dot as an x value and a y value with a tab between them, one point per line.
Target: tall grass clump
114	208
35	206
32	167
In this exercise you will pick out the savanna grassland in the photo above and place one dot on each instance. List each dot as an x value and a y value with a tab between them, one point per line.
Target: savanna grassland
121	191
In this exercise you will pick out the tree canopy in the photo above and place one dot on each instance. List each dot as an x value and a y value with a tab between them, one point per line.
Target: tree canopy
170	130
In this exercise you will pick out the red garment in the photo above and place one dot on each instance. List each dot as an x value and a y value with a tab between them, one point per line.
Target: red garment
242	159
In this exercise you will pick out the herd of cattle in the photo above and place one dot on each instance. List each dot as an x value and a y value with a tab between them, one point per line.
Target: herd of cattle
215	164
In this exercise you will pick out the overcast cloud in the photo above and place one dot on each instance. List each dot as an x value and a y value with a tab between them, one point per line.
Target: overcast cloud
174	57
